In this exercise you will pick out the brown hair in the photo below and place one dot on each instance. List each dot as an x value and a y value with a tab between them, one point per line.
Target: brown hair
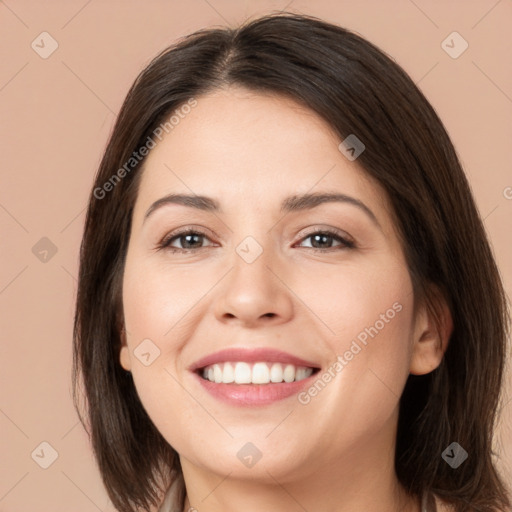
358	90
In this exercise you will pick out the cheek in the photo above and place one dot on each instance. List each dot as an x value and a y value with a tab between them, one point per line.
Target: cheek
161	309
358	299
366	317
160	302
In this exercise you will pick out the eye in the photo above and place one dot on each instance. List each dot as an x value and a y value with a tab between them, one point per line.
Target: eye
190	240
322	240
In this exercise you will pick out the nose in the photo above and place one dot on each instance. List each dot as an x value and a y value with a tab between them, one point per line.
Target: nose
255	294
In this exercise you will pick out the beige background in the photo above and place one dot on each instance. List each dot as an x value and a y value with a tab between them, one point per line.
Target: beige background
56	116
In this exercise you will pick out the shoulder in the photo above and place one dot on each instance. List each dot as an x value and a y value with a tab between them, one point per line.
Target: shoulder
443	506
173	501
169	503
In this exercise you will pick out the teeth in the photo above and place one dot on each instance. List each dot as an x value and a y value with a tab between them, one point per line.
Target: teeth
242	373
217	373
289	373
260	374
228	374
256	373
301	373
276	373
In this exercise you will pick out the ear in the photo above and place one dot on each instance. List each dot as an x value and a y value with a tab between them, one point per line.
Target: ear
124	354
432	330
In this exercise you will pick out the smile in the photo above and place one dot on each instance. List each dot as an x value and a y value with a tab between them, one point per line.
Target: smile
254	373
253	377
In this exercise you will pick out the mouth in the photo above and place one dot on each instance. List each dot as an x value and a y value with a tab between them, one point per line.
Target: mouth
253	377
259	373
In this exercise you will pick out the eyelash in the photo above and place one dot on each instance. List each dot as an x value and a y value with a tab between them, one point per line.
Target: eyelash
166	241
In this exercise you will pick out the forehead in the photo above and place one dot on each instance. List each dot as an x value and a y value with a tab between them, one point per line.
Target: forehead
251	149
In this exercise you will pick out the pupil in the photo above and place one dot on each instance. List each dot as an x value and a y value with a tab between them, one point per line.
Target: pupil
321	238
189	236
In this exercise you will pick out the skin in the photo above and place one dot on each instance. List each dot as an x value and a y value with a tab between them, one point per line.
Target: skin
249	151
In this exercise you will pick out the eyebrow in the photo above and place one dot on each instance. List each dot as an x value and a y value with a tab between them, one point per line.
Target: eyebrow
290	204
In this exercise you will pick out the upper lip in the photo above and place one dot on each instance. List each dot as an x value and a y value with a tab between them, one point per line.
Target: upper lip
251	356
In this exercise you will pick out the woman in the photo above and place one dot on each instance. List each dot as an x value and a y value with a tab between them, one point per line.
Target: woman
287	300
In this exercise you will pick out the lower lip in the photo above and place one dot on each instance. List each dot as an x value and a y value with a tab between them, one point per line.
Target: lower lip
254	394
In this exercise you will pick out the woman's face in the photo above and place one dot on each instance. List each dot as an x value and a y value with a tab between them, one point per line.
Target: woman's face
265	272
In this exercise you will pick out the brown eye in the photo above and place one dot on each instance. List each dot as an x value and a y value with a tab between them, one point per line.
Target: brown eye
323	240
188	240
